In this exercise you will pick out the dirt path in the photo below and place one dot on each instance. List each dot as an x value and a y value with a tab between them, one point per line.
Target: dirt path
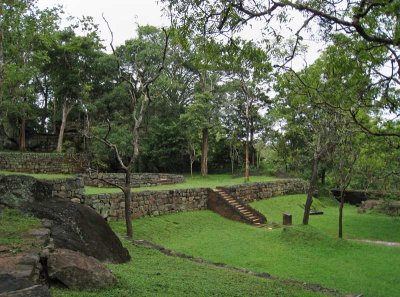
385	243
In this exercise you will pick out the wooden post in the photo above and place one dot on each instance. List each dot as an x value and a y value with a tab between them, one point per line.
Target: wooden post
287	219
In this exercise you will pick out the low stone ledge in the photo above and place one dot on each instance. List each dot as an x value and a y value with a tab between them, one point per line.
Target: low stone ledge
106	180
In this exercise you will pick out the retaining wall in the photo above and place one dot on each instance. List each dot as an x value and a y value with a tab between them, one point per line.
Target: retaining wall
137	179
256	191
70	188
41	162
153	203
148	203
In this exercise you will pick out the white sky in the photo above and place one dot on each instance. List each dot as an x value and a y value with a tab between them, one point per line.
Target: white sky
123	15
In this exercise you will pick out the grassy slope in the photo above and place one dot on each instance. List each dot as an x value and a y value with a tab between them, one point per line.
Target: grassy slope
303	253
38	175
151	273
367	226
13	227
197	181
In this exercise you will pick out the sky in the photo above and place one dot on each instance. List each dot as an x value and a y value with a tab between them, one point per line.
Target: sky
122	15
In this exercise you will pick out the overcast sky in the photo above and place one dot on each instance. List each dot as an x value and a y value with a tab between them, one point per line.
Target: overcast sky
123	15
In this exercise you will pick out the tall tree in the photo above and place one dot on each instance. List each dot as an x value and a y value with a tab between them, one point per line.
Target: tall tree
140	63
72	60
248	69
203	111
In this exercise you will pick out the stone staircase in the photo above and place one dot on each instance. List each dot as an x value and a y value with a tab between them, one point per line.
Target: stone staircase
232	208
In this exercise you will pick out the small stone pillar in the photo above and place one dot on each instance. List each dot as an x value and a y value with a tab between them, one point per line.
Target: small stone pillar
287	219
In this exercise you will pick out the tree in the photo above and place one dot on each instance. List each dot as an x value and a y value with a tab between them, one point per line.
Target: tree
203	111
372	29
71	67
21	25
346	154
319	97
140	63
248	70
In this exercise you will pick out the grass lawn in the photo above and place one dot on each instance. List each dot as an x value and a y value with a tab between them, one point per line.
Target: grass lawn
38	175
374	226
311	254
151	273
13	227
197	181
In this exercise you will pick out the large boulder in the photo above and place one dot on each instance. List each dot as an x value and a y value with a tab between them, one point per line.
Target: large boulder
78	227
73	226
77	271
16	190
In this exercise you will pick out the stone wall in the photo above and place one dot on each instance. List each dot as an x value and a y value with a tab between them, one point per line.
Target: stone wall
16	189
41	162
137	179
70	188
148	203
256	191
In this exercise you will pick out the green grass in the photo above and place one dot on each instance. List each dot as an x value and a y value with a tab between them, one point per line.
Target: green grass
311	254
372	226
38	175
14	225
151	273
197	181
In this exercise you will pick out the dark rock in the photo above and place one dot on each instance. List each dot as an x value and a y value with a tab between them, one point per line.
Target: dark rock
15	190
78	271
73	226
11	286
78	227
33	291
356	196
21	266
316	212
368	205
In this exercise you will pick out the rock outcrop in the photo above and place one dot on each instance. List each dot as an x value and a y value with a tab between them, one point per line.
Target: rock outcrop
11	286
73	226
77	271
79	228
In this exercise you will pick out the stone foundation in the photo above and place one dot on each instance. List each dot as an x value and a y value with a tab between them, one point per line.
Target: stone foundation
41	162
148	203
103	180
256	191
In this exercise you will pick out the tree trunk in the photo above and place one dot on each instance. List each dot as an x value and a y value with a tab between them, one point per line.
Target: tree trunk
341	214
232	156
46	105
22	135
247	161
1	51
127	196
204	153
311	190
65	112
247	169
323	175
251	145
